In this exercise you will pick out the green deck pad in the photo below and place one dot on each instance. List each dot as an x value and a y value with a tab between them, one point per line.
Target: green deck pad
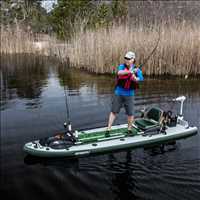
145	123
91	137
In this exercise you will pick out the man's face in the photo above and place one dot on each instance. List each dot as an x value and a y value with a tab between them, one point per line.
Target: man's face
128	61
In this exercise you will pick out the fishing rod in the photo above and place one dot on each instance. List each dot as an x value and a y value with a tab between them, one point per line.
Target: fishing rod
67	124
154	49
147	58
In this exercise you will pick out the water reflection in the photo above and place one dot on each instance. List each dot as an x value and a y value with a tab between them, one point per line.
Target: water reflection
77	82
26	80
66	163
20	79
123	181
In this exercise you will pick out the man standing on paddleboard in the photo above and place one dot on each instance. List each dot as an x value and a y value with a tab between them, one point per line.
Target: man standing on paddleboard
128	76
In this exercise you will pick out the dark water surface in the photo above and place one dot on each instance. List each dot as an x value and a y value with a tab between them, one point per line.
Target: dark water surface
33	106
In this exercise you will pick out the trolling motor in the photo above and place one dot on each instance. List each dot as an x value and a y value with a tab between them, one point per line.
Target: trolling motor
180	119
173	120
180	99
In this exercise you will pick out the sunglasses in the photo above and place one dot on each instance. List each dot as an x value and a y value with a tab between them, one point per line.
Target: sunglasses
127	58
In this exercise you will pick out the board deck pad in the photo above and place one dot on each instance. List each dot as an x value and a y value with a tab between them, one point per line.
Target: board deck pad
95	136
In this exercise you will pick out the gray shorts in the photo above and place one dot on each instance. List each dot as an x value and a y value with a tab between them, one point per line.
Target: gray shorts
123	101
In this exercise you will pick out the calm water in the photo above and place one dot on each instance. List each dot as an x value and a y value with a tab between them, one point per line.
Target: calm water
33	106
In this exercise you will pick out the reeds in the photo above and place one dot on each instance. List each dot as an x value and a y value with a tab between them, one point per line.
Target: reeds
17	39
100	51
178	51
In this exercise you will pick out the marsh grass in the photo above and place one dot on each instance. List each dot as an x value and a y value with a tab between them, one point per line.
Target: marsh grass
178	51
100	51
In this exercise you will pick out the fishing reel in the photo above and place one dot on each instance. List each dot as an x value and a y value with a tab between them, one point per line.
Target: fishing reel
67	126
69	131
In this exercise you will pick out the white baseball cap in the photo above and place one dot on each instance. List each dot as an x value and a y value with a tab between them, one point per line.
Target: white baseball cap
130	55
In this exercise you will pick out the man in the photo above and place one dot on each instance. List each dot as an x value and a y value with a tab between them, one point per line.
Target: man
128	76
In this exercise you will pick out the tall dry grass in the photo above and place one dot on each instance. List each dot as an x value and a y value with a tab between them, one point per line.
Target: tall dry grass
16	40
178	51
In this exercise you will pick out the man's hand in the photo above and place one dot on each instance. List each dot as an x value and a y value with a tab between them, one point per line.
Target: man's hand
133	71
135	78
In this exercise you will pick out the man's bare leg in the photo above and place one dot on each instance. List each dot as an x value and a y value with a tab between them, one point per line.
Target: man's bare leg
112	117
130	122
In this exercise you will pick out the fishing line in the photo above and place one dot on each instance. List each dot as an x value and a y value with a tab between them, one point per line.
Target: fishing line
67	124
153	51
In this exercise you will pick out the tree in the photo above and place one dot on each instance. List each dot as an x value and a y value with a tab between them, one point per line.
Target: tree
24	12
68	16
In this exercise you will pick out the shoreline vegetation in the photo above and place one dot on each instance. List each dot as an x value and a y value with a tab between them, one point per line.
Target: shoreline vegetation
100	50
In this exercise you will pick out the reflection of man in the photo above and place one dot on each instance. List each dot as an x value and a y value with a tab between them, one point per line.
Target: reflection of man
123	182
127	81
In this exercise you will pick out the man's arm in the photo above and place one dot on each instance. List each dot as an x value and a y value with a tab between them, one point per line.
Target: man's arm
140	75
137	75
123	72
